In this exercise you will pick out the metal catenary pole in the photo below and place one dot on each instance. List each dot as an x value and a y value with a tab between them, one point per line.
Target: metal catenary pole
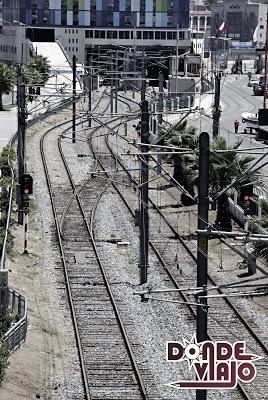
160	114
265	63
216	113
112	87
143	77
116	80
89	91
21	138
144	217
74	97
202	243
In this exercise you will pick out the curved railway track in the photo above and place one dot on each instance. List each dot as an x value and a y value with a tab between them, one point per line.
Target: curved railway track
225	327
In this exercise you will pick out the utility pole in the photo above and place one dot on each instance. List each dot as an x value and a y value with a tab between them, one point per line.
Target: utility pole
21	139
112	87
160	115
89	91
143	77
144	217
116	80
265	63
216	113
74	97
202	244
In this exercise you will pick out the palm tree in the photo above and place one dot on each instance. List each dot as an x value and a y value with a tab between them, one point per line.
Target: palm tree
261	247
185	170
223	168
40	64
7	81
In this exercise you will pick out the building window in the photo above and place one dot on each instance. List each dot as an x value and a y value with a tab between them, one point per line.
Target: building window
163	35
145	35
157	35
151	35
261	26
169	35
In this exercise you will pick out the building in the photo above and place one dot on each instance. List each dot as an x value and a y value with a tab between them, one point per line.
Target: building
240	19
260	31
99	13
90	27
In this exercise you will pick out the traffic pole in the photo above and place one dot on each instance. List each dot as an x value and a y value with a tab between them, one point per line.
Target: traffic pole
74	97
144	197
216	113
202	245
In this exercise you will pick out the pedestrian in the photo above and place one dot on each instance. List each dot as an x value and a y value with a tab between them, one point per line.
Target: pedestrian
236	125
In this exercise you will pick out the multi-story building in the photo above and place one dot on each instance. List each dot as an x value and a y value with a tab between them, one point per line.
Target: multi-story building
240	19
99	13
90	26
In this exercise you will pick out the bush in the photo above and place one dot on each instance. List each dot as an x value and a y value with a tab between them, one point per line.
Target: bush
3	359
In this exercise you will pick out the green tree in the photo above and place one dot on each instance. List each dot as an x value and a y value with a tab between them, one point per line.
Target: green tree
185	170
223	168
7	81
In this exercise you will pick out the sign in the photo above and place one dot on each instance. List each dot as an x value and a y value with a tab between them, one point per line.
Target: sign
215	365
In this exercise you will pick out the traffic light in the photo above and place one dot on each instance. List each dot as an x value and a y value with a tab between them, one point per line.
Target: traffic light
26	184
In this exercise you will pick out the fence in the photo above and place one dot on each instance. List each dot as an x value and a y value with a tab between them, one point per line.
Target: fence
17	305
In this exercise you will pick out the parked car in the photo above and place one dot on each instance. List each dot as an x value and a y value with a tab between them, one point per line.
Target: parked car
253	82
258	90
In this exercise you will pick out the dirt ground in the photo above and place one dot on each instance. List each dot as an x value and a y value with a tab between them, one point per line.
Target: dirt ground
31	367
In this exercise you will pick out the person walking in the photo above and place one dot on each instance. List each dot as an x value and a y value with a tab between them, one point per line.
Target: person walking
236	125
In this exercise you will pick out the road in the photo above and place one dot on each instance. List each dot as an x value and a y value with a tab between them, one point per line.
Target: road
236	98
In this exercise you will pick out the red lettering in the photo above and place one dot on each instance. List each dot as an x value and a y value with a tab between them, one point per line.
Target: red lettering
246	372
223	372
201	370
224	351
240	350
174	351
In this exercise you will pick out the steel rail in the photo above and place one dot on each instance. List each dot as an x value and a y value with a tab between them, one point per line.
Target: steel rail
59	228
240	317
108	286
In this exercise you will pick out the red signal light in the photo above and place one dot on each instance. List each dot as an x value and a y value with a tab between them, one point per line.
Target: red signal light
246	198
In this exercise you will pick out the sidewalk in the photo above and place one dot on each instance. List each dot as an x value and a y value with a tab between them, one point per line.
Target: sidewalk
8	123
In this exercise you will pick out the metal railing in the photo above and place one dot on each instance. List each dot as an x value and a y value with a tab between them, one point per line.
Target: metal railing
17	305
3	255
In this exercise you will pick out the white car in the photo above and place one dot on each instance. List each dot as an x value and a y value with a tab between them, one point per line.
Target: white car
250	118
253	82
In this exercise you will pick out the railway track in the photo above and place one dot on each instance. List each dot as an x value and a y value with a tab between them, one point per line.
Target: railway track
108	366
226	320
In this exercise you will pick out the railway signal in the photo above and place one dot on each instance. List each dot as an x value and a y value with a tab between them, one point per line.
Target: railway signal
26	184
246	192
